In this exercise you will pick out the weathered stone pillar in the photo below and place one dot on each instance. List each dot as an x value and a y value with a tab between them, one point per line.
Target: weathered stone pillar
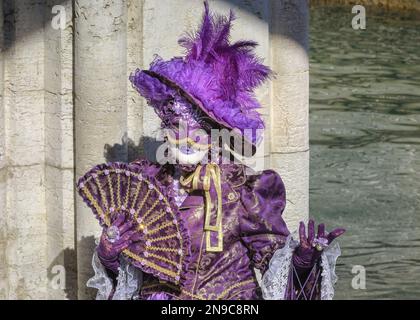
100	91
23	219
3	173
290	103
59	160
135	103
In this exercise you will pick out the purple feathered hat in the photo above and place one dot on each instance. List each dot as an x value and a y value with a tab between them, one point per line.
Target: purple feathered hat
215	75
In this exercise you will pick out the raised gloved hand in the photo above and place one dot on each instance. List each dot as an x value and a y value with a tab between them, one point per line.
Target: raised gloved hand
311	247
114	240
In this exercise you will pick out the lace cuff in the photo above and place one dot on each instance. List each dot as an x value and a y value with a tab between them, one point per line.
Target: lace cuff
129	281
329	278
100	281
275	279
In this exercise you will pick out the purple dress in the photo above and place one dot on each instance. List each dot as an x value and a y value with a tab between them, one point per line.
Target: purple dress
253	235
253	229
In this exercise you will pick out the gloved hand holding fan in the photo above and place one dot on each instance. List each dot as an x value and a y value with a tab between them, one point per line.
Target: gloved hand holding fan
138	220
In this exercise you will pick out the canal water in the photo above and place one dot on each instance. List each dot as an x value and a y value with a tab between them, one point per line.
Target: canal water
365	148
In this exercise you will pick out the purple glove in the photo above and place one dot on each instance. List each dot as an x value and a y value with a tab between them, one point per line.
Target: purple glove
114	240
311	247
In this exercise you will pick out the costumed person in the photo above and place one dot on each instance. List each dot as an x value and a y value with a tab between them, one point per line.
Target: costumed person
199	227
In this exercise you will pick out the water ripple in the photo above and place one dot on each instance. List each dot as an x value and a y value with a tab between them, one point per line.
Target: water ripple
365	144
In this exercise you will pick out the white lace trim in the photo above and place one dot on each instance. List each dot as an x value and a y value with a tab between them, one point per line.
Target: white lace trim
329	278
274	280
100	280
129	281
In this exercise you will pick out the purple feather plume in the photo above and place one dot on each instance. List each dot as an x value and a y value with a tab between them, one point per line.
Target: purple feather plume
220	74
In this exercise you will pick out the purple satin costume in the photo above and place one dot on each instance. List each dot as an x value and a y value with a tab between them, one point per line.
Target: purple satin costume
253	228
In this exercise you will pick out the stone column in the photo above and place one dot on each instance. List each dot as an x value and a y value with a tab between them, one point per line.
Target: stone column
59	160
23	218
3	173
135	103
100	91
290	103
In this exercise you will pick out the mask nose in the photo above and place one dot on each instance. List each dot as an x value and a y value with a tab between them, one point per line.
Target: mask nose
190	135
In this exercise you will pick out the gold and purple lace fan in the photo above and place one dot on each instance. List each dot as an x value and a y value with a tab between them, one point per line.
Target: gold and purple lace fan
110	189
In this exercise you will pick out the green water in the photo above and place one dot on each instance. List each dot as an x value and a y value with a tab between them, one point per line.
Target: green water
365	147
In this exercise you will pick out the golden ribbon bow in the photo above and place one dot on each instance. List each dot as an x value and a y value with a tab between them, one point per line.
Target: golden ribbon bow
211	174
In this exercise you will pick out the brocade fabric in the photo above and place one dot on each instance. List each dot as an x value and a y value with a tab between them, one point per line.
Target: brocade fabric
255	236
253	229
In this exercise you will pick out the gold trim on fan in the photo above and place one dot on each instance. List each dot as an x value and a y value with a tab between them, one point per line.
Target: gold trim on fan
118	191
101	191
151	264
98	208
155	218
136	215
175	264
163	238
136	195
154	248
111	190
105	215
128	188
164	225
148	211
